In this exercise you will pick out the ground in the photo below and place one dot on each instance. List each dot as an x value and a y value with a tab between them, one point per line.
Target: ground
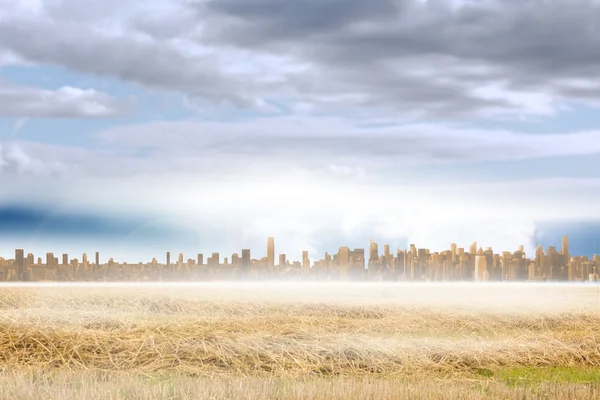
299	341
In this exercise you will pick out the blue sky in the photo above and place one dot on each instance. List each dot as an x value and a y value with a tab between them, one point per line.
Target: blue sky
158	126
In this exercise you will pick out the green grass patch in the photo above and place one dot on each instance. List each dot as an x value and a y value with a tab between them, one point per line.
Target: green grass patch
527	376
486	373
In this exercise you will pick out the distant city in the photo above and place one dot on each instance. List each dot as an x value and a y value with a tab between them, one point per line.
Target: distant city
412	264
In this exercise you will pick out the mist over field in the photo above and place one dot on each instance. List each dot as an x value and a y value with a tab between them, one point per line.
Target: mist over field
496	297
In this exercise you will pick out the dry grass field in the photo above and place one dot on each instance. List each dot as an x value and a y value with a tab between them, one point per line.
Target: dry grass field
299	341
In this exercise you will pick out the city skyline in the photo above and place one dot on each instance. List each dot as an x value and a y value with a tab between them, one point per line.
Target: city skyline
410	264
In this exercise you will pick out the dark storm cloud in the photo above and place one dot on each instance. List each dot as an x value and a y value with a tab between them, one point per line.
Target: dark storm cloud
436	58
289	19
551	35
130	58
525	45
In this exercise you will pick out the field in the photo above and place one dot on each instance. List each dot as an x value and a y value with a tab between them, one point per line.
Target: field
299	341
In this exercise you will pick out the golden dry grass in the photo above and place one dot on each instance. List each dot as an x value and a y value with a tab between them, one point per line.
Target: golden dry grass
99	386
226	342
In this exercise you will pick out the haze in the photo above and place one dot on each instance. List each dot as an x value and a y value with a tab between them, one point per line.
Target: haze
512	298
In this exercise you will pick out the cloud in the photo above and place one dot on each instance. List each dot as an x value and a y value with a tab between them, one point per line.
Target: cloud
409	58
435	57
227	200
18	125
332	143
115	50
9	58
64	102
320	214
347	170
298	147
14	160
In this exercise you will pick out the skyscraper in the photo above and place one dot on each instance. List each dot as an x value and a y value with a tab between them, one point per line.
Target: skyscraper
473	248
565	245
343	260
51	261
20	263
401	264
373	252
245	258
270	252
305	262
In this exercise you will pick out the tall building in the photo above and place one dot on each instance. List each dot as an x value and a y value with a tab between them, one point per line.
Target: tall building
453	252
20	263
97	260
282	260
168	261
401	264
343	260
200	260
305	262
51	261
481	266
473	248
565	245
270	252
358	263
65	259
373	252
246	260
539	257
214	260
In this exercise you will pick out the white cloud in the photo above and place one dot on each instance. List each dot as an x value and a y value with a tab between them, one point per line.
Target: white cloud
335	143
13	160
241	208
64	102
9	58
347	170
18	125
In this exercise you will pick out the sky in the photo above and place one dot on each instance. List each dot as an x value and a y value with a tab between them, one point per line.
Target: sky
140	127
